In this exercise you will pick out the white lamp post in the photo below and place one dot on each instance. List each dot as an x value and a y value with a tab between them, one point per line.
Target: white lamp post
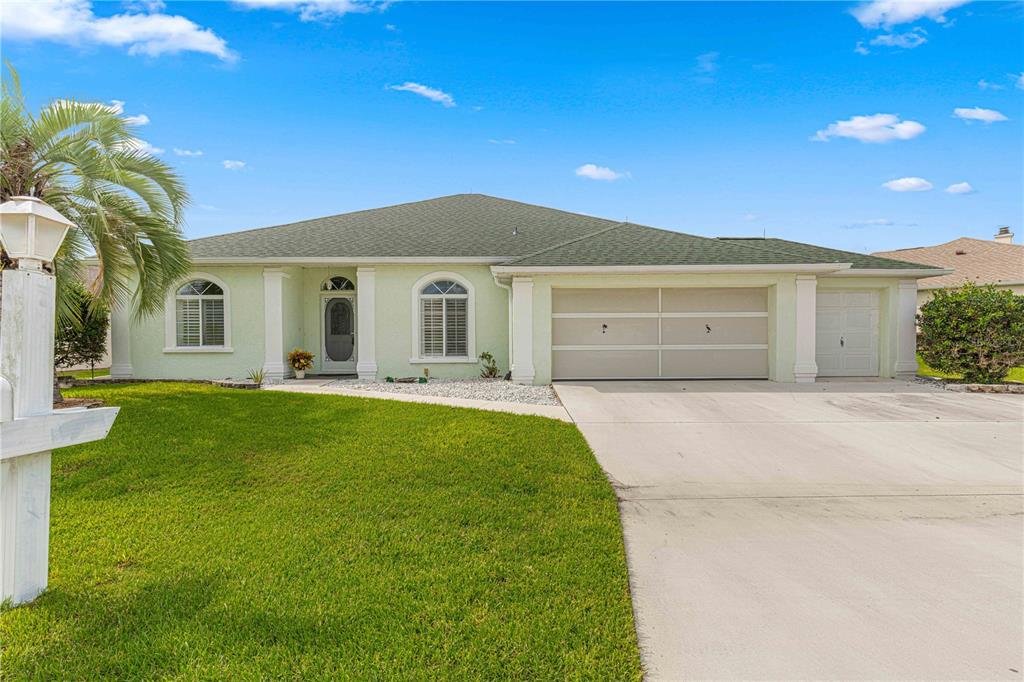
31	232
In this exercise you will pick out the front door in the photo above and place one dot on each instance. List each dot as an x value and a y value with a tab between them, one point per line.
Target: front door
338	352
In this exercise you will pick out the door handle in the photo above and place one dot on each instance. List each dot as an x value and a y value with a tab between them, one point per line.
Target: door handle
842	342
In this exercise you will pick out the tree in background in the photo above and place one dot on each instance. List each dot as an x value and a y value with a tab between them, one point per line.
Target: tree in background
974	331
82	341
85	161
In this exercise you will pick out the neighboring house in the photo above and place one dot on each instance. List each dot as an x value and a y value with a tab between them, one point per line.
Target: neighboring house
999	262
551	294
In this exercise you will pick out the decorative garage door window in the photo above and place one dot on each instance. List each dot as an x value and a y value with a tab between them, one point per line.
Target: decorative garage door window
444	323
650	333
199	314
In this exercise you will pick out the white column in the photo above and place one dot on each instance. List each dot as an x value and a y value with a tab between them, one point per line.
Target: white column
906	329
26	361
522	330
273	324
121	343
366	338
805	368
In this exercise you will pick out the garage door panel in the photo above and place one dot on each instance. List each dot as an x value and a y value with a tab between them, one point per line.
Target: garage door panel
714	364
614	331
604	300
697	300
846	333
716	330
604	364
859	298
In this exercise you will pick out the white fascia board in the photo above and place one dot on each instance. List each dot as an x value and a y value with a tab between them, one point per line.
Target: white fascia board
814	268
341	260
913	273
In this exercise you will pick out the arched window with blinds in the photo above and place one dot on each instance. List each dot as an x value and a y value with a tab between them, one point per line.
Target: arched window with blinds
444	309
199	314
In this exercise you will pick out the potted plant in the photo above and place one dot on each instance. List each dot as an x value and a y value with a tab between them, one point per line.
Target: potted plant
300	360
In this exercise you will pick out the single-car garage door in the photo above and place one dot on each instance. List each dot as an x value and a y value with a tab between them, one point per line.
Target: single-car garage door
846	334
659	333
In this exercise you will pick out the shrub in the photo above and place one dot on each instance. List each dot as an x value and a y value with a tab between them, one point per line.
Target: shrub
81	341
489	370
300	359
974	331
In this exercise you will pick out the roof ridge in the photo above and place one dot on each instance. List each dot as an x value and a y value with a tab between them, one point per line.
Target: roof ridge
565	243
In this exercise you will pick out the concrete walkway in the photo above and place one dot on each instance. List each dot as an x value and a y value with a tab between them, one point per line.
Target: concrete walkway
840	530
328	386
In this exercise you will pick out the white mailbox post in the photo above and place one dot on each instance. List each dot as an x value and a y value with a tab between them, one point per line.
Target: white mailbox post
31	232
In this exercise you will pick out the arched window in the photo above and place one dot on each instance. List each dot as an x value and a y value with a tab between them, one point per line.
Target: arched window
199	315
444	310
337	284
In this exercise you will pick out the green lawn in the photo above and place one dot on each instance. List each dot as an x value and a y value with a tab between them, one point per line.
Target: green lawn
224	534
1016	374
84	373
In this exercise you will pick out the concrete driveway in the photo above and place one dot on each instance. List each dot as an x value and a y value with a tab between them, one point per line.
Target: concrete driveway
838	530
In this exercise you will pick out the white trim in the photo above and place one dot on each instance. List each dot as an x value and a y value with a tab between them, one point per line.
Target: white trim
523	371
366	323
891	272
423	281
443	360
274	367
170	317
805	365
654	269
674	377
358	260
121	343
663	346
905	366
594	316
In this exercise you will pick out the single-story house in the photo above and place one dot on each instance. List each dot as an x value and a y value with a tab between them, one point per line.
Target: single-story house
551	294
999	262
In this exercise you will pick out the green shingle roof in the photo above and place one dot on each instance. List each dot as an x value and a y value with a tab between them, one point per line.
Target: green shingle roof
821	254
492	229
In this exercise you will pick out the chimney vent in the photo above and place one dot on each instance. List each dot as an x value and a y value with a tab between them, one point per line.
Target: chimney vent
1004	236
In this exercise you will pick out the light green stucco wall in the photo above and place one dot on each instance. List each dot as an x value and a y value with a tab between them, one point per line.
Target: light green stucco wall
394	313
245	291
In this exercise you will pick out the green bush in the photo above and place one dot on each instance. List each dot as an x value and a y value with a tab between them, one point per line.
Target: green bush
974	331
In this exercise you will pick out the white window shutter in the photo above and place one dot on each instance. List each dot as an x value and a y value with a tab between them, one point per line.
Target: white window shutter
187	317
213	322
432	326
456	336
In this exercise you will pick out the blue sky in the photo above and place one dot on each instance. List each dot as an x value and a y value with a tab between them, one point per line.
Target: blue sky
711	118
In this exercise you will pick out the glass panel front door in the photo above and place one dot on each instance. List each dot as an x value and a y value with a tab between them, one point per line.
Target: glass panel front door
339	333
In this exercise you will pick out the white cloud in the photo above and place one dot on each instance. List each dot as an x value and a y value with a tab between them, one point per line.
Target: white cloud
390	27
1019	81
143	146
595	172
888	13
707	65
860	49
876	128
233	165
749	216
877	222
139	120
493	141
908	185
73	22
430	93
960	188
985	85
117	106
906	41
979	114
315	10
188	152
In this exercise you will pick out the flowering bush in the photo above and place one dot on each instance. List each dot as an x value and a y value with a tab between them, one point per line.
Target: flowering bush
300	359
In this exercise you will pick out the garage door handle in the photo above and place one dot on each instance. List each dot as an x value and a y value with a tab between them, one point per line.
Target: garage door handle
841	342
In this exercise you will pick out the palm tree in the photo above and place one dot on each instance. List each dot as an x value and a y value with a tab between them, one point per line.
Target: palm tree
84	160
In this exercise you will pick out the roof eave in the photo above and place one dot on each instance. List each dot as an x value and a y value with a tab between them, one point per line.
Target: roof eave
351	260
906	273
751	268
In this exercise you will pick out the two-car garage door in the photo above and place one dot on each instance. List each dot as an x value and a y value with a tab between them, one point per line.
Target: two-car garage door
650	333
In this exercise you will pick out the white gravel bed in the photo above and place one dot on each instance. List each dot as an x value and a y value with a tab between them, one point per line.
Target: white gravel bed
474	389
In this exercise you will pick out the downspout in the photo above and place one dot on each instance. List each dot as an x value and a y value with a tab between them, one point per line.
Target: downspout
508	288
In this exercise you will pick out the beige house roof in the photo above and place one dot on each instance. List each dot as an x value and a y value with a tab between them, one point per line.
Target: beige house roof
972	260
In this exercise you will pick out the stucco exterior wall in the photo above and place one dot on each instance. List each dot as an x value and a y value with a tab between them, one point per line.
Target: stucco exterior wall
245	292
394	315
